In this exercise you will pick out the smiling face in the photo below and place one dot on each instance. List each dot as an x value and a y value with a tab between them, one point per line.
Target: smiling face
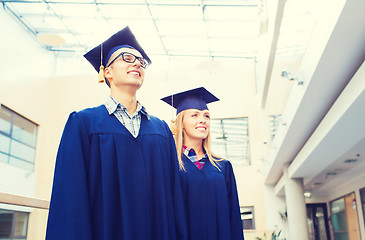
121	73
195	124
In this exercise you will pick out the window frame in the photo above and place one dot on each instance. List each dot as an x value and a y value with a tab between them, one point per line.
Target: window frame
246	160
11	138
242	211
12	230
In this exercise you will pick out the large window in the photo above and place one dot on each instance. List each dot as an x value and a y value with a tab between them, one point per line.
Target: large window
18	137
13	225
230	139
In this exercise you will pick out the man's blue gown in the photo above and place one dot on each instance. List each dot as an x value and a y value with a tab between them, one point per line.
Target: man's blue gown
109	185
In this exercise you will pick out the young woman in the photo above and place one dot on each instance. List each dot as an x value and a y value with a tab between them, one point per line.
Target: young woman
208	182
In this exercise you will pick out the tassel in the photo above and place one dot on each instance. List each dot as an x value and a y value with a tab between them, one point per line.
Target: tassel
101	78
173	127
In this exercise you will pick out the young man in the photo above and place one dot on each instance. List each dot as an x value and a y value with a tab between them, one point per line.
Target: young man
116	174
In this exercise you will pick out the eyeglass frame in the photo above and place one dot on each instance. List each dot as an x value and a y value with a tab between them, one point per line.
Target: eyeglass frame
135	58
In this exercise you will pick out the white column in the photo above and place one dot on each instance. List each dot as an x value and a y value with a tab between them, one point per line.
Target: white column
296	208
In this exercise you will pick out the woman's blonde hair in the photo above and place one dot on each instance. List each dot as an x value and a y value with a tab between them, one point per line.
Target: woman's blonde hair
179	138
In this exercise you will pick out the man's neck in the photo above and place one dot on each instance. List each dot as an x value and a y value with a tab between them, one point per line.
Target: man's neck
127	98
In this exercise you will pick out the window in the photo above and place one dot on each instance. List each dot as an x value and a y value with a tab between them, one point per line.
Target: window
18	137
248	217
274	121
230	139
13	225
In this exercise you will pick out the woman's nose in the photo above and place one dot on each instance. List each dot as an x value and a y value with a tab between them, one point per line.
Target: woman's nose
202	119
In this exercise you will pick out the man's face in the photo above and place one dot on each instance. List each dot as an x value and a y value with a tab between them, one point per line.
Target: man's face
122	73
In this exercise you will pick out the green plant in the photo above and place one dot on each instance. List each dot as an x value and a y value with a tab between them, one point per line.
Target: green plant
259	238
275	235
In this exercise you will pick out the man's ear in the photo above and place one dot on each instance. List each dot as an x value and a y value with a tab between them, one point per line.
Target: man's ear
108	75
107	72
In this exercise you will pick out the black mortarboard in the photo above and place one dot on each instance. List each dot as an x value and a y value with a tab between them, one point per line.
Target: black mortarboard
99	56
197	98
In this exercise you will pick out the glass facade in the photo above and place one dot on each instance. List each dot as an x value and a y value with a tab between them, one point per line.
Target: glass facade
18	137
338	218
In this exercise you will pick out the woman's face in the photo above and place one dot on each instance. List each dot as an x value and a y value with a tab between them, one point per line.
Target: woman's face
195	124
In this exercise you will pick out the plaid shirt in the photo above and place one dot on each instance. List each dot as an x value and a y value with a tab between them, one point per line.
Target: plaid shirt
190	153
133	123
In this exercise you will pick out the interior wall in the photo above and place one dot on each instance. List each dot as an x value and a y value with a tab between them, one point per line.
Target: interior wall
25	69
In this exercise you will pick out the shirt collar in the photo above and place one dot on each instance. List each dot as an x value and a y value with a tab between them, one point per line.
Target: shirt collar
189	152
143	110
112	104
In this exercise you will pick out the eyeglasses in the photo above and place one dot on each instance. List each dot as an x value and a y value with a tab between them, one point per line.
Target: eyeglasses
130	58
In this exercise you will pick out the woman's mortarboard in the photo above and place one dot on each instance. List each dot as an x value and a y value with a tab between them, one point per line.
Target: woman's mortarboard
197	98
99	56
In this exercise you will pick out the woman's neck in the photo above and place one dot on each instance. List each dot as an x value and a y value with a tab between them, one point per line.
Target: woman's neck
197	146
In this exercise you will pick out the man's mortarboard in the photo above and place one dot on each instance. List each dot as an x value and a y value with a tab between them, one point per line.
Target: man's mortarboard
99	56
197	98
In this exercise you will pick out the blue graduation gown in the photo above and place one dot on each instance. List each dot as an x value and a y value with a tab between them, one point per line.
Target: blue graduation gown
109	185
211	200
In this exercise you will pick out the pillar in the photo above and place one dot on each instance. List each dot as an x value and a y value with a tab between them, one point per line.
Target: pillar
296	208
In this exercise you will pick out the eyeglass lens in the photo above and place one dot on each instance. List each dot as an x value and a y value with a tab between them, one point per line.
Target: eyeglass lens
130	58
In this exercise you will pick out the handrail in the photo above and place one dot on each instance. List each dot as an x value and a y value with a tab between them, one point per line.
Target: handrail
19	200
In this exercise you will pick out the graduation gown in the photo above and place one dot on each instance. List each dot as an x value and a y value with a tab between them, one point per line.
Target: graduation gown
109	185
211	201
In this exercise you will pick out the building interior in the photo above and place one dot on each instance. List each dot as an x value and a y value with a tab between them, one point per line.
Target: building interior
290	76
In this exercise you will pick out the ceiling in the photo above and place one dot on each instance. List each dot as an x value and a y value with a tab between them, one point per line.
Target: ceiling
199	28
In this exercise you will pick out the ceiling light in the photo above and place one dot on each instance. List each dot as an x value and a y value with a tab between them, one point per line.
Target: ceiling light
285	73
51	39
331	174
208	65
307	194
350	161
